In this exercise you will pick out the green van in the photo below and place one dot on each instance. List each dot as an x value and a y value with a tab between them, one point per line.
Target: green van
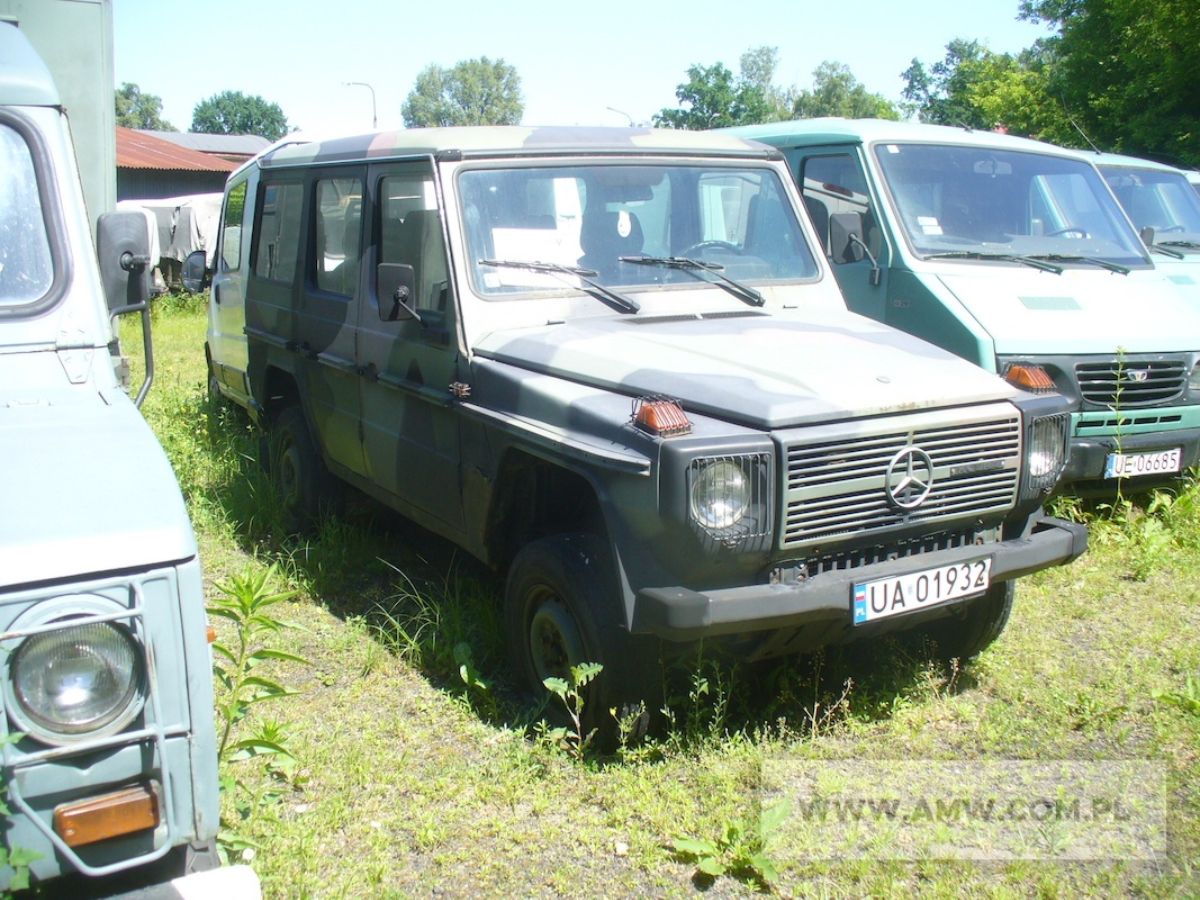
1015	255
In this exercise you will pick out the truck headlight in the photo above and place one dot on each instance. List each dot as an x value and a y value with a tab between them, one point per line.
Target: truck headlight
729	498
1045	454
76	680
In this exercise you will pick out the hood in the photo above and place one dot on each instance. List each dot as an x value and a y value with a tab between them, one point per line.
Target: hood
86	490
1079	311
767	370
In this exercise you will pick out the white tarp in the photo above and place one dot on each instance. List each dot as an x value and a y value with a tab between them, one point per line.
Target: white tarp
185	223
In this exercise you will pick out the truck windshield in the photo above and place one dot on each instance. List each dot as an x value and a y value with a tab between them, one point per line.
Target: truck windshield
609	218
26	268
1160	200
952	198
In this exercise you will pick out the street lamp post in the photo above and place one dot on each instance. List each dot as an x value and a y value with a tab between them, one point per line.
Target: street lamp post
374	118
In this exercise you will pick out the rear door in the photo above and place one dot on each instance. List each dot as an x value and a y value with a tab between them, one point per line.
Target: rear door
227	314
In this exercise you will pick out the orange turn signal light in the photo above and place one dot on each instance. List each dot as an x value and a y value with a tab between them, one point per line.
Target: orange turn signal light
210	632
108	816
1029	378
660	416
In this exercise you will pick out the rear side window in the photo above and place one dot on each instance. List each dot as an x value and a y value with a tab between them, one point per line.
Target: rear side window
26	265
231	228
338	224
277	241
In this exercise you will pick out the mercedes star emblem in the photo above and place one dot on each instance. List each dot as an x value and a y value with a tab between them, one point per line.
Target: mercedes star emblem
909	478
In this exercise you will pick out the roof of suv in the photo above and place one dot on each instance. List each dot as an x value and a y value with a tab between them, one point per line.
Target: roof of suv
838	130
510	140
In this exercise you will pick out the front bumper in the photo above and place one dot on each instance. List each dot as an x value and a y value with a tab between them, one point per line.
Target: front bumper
680	614
1089	454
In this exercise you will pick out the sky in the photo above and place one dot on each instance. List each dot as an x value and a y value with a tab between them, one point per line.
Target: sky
610	62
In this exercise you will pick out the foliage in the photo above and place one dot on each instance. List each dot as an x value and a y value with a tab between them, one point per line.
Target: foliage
1127	70
136	109
570	693
1188	699
16	858
739	851
714	98
836	92
245	601
472	92
232	112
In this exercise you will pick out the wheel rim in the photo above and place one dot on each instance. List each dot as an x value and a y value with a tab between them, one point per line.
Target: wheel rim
555	643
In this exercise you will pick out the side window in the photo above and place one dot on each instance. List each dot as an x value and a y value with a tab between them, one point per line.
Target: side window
26	263
277	240
833	185
410	233
338	224
231	228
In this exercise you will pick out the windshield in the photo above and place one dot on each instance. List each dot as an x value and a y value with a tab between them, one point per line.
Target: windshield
951	199
604	219
1156	199
26	270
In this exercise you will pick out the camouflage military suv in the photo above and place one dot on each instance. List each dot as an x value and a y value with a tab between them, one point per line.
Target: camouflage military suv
608	363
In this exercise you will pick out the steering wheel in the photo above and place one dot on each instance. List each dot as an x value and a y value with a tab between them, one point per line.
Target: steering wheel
1068	230
713	245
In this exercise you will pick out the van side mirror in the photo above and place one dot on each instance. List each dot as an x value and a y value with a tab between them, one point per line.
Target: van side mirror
195	275
397	285
841	226
123	248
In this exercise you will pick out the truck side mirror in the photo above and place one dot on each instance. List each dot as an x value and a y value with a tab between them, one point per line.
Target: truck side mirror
123	248
397	286
195	274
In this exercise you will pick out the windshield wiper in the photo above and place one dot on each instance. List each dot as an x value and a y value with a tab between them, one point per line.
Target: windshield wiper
619	302
1090	260
1164	250
1190	245
743	292
1035	262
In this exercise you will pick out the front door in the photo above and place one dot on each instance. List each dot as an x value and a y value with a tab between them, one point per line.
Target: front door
408	362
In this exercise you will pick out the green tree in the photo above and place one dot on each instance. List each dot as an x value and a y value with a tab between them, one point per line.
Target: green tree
138	110
941	93
836	92
472	92
713	98
232	112
1127	71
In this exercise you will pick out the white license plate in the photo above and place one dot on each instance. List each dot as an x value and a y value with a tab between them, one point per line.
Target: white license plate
885	597
1130	465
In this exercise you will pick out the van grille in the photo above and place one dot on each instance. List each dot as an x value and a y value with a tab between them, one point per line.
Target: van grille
837	485
1138	382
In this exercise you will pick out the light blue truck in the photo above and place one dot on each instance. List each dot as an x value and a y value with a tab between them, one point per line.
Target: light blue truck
106	705
1015	255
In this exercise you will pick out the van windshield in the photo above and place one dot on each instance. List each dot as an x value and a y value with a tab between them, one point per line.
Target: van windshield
26	267
983	200
629	225
1157	199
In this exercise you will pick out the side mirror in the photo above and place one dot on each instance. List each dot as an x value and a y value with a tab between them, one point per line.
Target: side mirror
1147	235
841	226
195	275
123	248
397	290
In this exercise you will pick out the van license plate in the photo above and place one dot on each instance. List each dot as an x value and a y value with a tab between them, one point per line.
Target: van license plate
1130	465
917	590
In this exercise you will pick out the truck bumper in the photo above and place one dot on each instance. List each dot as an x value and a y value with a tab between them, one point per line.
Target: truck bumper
681	614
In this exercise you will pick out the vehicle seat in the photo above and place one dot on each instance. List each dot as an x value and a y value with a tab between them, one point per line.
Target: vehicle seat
604	238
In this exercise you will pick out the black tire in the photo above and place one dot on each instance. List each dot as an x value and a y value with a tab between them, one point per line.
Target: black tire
562	608
968	631
306	489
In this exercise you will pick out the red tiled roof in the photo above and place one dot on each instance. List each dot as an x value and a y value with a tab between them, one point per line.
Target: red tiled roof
140	151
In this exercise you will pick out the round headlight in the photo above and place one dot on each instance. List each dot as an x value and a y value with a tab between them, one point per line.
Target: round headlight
76	680
720	495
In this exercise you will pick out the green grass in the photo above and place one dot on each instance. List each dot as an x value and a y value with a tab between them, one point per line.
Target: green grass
408	780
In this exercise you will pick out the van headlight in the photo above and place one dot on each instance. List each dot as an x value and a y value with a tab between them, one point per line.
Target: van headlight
729	498
74	678
1045	454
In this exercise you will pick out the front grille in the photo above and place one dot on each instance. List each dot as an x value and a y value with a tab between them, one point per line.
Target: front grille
836	484
1130	382
848	560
